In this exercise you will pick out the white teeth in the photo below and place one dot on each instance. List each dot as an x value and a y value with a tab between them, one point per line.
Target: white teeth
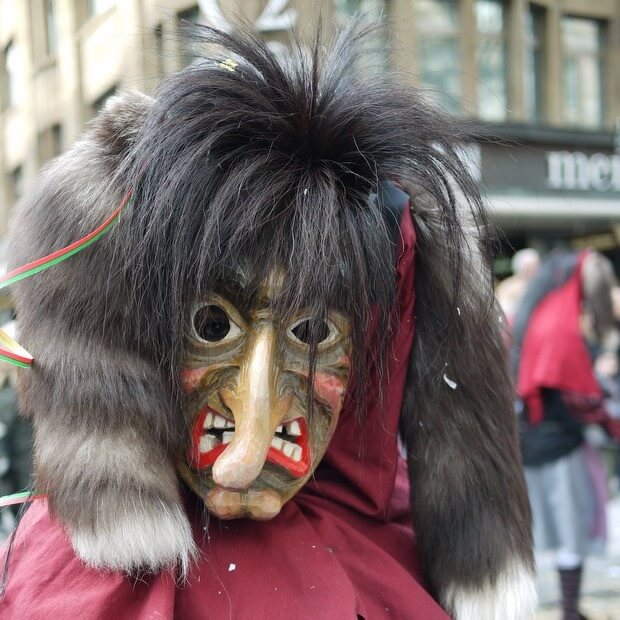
293	428
214	420
207	443
219	421
227	437
277	443
293	451
279	429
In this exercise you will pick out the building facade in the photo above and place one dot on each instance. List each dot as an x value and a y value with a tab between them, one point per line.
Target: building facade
537	82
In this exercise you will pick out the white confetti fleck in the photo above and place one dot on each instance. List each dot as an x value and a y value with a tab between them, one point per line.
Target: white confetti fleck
231	567
452	384
458	311
306	192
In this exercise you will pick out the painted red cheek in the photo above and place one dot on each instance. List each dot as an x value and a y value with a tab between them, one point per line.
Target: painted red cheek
330	390
344	361
191	377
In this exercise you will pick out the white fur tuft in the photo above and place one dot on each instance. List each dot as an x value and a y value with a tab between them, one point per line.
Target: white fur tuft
140	540
512	597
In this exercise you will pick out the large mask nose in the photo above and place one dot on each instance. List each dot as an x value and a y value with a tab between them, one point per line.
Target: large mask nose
257	409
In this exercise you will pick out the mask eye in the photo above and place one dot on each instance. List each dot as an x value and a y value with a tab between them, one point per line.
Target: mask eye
212	324
308	330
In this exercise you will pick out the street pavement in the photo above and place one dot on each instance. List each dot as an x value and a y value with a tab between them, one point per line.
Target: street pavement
601	586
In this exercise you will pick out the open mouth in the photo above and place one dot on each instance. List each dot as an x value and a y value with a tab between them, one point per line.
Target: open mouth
213	432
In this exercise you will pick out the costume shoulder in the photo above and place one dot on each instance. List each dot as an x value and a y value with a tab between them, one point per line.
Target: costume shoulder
44	578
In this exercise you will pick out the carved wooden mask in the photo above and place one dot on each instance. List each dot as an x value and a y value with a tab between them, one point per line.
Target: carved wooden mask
254	439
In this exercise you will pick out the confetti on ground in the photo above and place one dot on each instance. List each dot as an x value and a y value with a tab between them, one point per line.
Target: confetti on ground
231	567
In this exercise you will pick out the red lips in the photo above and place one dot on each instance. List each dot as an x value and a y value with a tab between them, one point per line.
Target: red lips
204	456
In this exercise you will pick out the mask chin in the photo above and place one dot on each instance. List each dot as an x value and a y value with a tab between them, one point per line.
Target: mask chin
262	501
261	505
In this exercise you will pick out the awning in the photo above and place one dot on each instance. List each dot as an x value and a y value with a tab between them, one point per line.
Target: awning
553	207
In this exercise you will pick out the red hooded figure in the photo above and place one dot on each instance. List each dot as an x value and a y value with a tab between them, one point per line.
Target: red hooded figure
564	324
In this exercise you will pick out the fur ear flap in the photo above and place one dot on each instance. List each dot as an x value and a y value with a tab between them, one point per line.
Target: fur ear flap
469	501
104	418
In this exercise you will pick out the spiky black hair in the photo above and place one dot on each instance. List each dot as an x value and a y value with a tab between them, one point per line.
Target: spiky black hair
274	164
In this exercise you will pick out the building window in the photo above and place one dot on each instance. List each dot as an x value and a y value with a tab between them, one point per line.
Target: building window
50	28
186	19
50	143
582	41
8	94
159	50
57	141
345	9
99	103
439	50
16	184
375	54
534	63
98	6
491	56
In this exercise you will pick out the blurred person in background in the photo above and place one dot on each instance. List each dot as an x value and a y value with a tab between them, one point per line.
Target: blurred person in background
15	437
509	292
563	324
608	374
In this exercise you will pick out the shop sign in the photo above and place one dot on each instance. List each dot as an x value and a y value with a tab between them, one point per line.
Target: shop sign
573	170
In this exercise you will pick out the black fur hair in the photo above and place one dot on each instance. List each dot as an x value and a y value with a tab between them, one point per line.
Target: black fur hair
276	165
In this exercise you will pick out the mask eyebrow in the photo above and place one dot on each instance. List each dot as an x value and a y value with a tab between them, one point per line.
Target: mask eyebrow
252	288
238	285
235	293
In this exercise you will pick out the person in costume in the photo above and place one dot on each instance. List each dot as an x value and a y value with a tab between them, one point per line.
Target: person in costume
510	291
220	381
564	323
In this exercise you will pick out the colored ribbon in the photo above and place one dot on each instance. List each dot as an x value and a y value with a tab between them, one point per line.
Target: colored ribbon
20	498
10	350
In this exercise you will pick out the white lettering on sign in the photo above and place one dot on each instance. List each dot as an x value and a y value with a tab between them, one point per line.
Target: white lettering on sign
577	171
275	16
